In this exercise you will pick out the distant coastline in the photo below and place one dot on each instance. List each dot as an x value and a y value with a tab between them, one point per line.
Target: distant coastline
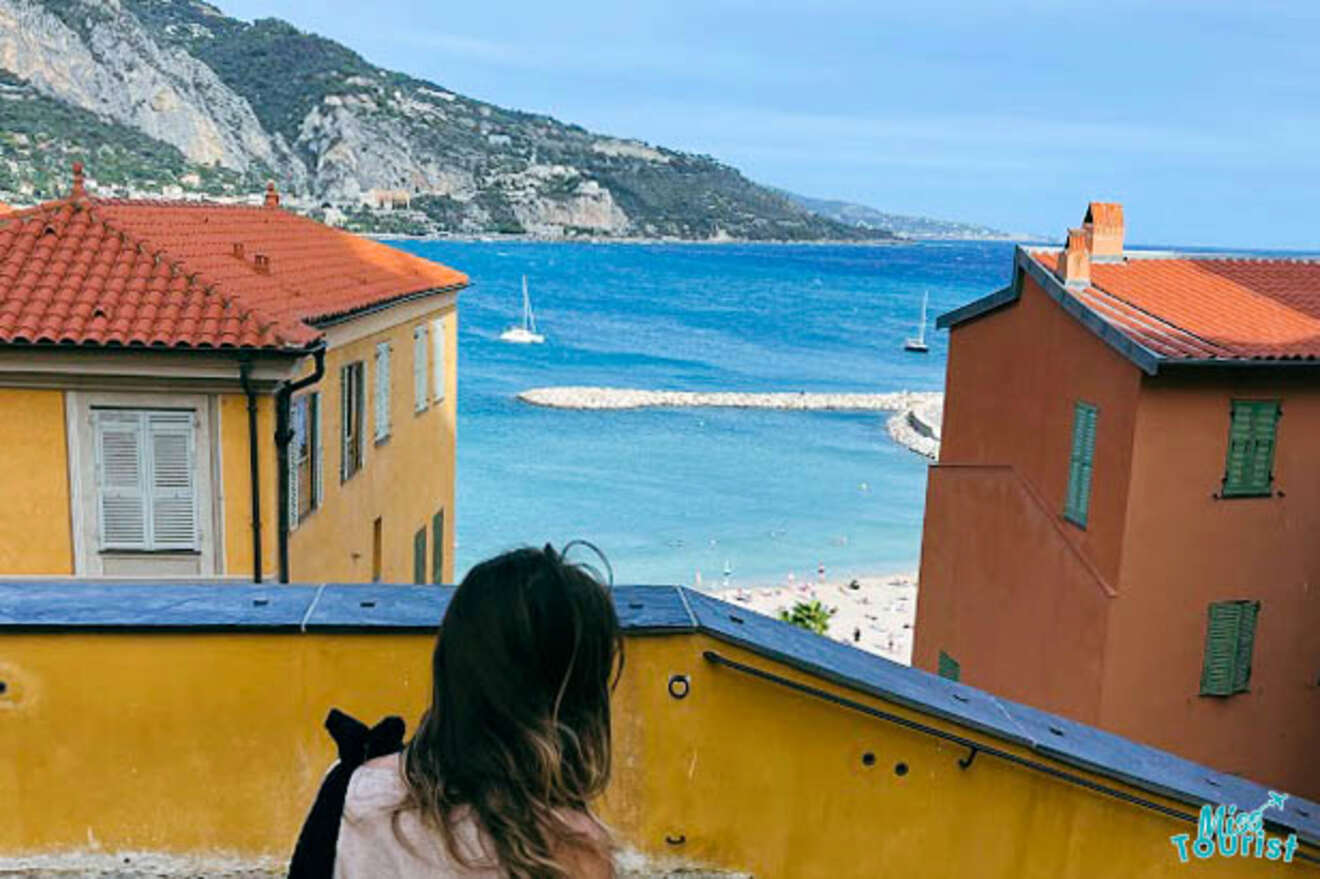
469	238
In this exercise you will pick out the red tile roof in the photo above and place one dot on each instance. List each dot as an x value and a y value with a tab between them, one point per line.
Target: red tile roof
1203	308
103	272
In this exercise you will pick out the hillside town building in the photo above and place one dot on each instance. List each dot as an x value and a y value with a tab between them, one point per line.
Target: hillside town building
205	390
1121	525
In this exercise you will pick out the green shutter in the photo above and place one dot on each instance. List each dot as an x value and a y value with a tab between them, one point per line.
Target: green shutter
1249	469
1248	611
1221	649
1230	637
419	556
438	547
1081	462
949	667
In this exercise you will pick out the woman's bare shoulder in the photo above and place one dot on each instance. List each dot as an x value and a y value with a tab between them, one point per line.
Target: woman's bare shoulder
593	861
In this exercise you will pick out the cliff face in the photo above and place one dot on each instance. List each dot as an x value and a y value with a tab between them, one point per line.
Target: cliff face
189	99
110	65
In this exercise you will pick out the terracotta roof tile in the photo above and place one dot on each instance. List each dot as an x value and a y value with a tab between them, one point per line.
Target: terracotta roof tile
1207	308
91	271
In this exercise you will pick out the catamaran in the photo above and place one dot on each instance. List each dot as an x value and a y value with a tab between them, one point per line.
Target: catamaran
525	334
917	344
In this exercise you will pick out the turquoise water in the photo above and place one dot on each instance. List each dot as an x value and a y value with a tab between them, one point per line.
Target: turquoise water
670	493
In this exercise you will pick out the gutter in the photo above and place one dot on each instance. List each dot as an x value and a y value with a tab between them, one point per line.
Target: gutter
284	436
321	323
254	465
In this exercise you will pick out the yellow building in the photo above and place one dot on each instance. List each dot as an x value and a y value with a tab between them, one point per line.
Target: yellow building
194	389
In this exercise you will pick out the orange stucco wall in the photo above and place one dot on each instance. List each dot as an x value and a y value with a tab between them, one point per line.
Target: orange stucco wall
1010	589
1013	379
1186	549
1006	596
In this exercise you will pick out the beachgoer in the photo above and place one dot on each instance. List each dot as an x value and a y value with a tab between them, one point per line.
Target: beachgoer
498	780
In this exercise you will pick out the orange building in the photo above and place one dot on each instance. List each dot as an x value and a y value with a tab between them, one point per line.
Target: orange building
1122	523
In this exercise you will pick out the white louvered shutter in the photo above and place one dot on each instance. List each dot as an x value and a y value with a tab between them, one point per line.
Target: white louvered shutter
315	427
419	368
172	480
298	417
438	355
345	413
382	390
120	480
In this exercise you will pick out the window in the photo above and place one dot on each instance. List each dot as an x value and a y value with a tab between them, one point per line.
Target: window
438	335
145	467
420	400
419	556
1080	462
382	391
305	457
438	547
377	544
1230	635
352	388
1249	471
949	667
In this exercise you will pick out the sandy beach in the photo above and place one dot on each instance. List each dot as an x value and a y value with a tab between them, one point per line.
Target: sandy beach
874	613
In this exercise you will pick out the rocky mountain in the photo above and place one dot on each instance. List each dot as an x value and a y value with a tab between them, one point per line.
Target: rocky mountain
863	217
173	97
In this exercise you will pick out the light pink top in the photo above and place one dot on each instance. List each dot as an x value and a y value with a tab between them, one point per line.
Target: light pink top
369	847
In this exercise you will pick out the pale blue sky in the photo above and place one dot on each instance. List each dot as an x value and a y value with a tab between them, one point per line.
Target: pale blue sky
1201	116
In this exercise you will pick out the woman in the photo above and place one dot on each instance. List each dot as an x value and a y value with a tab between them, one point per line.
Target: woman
498	778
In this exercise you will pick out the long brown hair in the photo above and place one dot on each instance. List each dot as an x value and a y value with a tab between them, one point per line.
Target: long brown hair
518	730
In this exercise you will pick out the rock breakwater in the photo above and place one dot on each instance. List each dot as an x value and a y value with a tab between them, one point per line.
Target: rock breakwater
569	397
915	423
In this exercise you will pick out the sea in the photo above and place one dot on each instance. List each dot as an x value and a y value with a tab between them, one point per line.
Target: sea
707	497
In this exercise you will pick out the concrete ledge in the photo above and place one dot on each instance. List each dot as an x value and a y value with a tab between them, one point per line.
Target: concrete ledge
146	608
150	865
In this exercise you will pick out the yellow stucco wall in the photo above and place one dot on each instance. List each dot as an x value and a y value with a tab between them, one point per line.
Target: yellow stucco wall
34	482
211	743
405	480
235	492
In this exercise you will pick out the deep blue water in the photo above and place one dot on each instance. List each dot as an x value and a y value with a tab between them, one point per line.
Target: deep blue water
669	493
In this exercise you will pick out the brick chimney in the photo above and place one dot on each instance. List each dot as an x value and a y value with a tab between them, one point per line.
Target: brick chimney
1104	229
1075	261
272	197
79	191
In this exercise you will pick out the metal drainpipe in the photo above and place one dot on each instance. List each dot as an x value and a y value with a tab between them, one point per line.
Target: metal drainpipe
254	466
284	436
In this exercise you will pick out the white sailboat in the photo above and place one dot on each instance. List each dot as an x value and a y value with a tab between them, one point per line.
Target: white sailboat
917	344
525	334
